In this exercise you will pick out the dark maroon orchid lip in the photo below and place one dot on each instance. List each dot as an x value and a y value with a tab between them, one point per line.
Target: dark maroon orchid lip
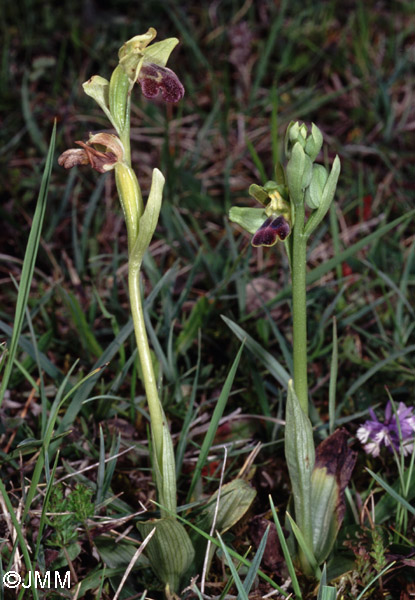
272	230
154	78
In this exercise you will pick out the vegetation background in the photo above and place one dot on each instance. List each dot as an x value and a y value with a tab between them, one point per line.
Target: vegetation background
248	68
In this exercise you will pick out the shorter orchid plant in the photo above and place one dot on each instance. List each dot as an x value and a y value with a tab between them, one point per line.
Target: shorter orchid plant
292	208
170	550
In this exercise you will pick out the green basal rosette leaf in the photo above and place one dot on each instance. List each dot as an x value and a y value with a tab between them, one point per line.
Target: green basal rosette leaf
248	218
165	473
334	463
235	499
324	495
300	456
169	551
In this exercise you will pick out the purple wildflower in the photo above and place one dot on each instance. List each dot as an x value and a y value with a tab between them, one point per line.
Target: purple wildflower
373	433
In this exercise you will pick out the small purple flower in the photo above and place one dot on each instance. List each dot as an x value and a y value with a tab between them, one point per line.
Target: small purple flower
372	434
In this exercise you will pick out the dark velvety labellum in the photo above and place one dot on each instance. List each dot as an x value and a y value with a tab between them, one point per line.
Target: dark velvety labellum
154	79
272	230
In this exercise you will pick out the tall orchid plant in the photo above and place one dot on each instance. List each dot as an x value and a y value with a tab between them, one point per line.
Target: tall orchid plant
170	550
145	64
138	62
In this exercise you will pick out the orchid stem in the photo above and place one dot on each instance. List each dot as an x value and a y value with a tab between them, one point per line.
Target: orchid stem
150	385
299	309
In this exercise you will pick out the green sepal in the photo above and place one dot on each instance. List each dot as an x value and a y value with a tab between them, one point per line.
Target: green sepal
307	173
300	456
248	218
314	192
263	193
259	193
272	186
326	198
159	52
98	88
295	133
149	220
280	174
314	143
131	53
137	44
169	551
297	168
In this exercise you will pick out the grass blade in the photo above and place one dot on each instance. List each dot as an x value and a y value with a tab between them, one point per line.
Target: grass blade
217	415
29	263
377	367
273	366
392	492
286	552
253	569
242	595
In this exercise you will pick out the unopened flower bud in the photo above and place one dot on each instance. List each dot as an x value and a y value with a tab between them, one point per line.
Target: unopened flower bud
310	142
314	192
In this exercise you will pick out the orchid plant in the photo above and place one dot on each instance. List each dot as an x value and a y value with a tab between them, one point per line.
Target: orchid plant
169	548
145	64
293	206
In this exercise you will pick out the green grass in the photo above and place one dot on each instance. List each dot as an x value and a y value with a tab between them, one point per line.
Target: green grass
73	411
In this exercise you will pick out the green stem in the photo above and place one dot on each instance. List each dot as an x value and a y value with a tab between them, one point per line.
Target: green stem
299	308
125	134
150	386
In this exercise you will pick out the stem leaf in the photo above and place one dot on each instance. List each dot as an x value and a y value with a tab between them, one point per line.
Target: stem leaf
149	220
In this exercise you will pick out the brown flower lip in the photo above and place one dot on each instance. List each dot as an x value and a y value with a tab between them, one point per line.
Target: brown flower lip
272	230
155	78
87	155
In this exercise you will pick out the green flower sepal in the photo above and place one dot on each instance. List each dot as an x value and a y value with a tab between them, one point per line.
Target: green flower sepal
269	224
